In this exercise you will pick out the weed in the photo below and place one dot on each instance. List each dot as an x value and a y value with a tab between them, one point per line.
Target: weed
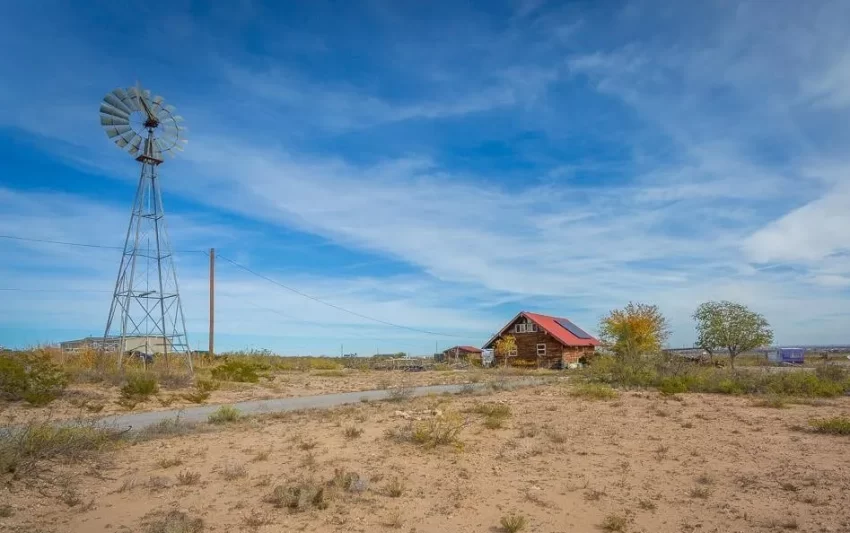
256	519
400	393
307	444
6	511
394	520
593	391
168	462
773	401
699	492
528	431
837	425
688	425
207	385
438	431
330	374
70	497
646	505
159	483
166	401
789	487
173	522
224	415
614	523
495	414
196	396
237	370
661	452
262	455
140	387
513	523
395	488
298	497
352	432
128	484
593	495
233	471
556	437
168	427
22	450
188	477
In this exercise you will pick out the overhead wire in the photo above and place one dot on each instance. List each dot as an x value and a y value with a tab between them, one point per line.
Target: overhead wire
334	306
244	268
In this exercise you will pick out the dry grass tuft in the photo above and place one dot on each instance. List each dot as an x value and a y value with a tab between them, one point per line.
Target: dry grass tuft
395	488
224	414
168	462
172	522
593	391
513	523
837	425
614	523
352	432
188	477
232	471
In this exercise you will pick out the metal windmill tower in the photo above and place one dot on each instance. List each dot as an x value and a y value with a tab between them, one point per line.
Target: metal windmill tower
146	312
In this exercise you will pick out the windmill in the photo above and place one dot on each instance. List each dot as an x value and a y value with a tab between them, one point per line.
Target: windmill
146	314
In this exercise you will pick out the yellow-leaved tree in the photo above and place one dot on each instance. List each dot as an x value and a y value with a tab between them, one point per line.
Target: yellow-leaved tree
506	347
635	330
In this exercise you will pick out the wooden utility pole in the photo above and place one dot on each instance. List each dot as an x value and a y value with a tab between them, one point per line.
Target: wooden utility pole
212	303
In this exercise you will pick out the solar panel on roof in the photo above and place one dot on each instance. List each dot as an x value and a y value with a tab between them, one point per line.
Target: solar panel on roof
572	328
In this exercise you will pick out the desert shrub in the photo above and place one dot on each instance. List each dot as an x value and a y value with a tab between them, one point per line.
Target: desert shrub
796	383
323	363
513	523
834	373
593	391
624	372
352	432
238	370
330	374
495	414
31	377
837	425
613	523
140	386
23	449
400	393
188	477
773	401
395	488
438	431
298	497
173	522
203	389
224	414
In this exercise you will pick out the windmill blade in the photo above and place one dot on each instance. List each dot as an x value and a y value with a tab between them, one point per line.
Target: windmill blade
108	109
115	131
111	120
135	145
116	102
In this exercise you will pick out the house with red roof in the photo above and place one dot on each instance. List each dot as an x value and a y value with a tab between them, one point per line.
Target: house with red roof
462	353
543	341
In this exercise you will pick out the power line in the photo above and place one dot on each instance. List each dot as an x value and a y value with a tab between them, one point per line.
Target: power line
334	306
82	245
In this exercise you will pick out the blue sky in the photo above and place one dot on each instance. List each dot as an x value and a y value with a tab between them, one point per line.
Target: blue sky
437	165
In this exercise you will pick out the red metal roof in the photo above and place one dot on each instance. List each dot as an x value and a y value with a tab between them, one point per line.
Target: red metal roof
471	349
548	324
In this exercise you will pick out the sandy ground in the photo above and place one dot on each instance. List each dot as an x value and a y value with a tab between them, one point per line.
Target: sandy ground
91	401
695	463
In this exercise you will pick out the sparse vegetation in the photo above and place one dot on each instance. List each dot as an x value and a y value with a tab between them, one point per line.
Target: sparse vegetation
22	450
169	462
593	391
224	415
437	431
837	425
495	414
352	432
238	370
6	511
699	492
395	488
173	522
231	471
646	504
30	377
614	523
188	477
513	523
140	387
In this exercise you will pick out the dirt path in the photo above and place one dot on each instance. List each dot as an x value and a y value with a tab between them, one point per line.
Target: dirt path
200	414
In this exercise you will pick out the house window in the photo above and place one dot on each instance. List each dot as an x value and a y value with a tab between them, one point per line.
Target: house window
541	350
512	352
520	328
531	328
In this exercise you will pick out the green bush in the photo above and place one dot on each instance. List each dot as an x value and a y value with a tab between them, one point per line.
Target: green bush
224	414
237	370
837	425
140	386
593	391
32	378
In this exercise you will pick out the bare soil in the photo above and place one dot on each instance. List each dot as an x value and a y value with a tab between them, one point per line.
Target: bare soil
641	462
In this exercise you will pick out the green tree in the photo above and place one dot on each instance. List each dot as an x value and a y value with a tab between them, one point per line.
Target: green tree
731	326
506	346
635	330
